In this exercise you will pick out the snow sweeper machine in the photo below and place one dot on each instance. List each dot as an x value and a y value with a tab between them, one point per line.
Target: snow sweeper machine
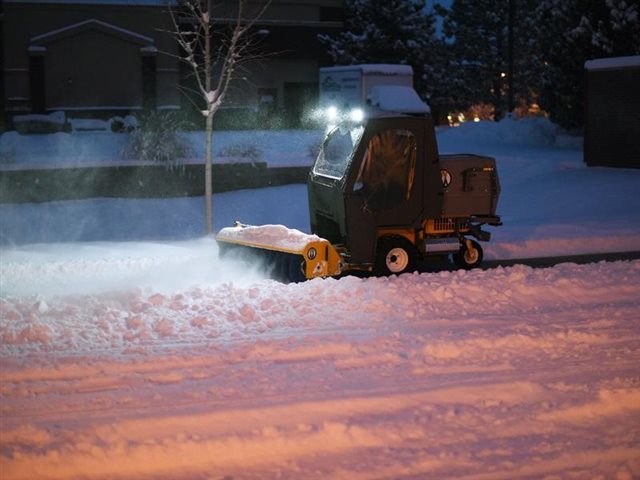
381	198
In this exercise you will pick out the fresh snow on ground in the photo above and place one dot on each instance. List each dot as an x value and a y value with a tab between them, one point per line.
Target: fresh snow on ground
134	352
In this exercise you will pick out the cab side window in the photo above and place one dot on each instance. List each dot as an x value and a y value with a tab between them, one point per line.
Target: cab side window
387	171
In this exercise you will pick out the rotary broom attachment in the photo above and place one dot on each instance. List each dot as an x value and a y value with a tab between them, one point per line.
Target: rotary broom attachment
289	255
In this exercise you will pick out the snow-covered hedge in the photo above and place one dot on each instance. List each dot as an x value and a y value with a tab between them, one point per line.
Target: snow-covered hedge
530	131
40	123
158	140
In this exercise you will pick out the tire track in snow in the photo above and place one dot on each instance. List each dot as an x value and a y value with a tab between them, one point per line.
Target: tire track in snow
534	383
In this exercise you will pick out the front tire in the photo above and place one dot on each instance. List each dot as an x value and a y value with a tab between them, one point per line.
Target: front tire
469	256
395	255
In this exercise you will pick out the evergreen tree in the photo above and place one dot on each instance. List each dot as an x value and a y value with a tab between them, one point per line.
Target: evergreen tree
387	31
574	32
489	48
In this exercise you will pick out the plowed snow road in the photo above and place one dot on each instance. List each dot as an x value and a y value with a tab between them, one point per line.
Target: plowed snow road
506	373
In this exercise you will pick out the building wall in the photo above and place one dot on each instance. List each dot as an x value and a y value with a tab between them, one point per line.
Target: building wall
99	82
99	70
88	68
612	126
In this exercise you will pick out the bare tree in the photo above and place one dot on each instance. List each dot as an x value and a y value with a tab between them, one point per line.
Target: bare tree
214	62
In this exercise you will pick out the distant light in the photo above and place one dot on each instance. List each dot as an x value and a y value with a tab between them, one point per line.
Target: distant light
356	115
332	113
502	75
476	119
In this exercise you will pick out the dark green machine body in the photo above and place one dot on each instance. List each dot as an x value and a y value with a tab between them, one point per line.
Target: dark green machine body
386	176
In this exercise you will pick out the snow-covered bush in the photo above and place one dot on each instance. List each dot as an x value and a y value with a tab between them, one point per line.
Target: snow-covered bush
40	123
126	124
158	139
530	131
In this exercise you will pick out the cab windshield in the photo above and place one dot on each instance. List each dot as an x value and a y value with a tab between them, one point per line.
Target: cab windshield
336	151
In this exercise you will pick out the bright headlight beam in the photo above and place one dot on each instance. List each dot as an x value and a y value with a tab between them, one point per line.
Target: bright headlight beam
356	115
332	113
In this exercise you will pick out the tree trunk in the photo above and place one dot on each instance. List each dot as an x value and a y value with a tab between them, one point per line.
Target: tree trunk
208	177
208	186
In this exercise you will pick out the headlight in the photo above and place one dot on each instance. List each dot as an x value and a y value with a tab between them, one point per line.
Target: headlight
311	253
332	113
356	115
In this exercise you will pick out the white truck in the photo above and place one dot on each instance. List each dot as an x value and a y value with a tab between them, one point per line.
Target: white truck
350	90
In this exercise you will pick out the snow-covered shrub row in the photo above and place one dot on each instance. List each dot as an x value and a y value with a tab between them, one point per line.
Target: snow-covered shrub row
158	140
532	131
126	124
58	121
40	123
275	147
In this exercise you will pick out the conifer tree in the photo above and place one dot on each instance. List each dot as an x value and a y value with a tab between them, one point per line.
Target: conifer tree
489	53
387	31
574	32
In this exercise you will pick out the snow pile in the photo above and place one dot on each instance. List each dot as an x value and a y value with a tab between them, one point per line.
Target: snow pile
269	235
57	118
40	123
89	124
534	131
149	295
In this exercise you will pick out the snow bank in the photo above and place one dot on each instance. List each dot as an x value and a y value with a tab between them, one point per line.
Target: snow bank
170	295
507	132
56	117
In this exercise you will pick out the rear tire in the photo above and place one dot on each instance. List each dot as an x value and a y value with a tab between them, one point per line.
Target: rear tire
468	258
395	255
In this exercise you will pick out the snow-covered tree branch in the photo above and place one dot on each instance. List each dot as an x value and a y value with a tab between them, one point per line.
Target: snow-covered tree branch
215	49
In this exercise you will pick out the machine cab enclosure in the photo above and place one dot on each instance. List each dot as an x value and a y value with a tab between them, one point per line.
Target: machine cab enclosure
381	193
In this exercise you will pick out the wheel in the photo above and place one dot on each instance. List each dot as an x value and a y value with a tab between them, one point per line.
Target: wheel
469	256
395	255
